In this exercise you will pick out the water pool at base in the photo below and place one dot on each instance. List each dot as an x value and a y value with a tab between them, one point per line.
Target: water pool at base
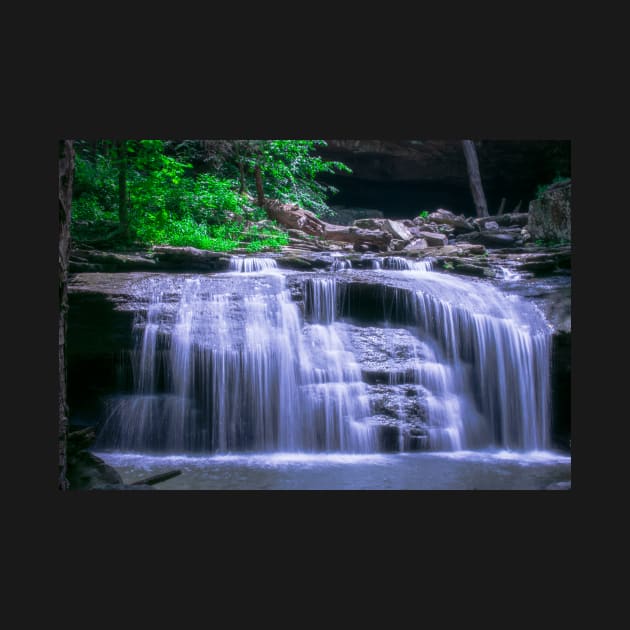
456	470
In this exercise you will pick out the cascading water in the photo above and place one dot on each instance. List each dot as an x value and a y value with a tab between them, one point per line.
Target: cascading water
398	263
496	351
225	365
251	265
238	371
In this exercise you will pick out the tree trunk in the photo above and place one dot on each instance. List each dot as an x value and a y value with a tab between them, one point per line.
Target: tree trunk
241	171
470	153
123	215
66	175
259	187
502	206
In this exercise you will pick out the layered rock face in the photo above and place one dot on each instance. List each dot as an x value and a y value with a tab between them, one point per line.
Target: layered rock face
550	215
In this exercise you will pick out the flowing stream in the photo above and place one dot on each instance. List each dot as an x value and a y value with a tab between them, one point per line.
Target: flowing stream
235	365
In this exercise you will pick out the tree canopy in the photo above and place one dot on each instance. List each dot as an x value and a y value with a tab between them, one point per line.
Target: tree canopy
194	192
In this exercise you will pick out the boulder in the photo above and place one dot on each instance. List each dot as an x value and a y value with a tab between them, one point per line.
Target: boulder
396	245
86	471
458	222
416	245
490	225
369	223
518	219
550	215
459	249
491	238
433	239
397	230
346	216
472	270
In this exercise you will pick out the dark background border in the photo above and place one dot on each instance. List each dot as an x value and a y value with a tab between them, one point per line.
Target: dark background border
524	101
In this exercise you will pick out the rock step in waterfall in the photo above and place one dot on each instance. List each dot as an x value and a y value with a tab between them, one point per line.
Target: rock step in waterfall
244	369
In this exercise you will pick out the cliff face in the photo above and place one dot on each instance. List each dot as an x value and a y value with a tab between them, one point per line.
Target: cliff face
433	172
550	215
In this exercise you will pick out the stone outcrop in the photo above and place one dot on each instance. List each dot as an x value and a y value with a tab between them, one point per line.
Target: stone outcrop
459	223
433	239
550	215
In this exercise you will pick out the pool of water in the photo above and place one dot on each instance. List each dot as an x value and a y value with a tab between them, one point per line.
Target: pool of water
457	470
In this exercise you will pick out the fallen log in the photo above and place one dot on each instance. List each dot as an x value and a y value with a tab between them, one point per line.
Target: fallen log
293	217
151	481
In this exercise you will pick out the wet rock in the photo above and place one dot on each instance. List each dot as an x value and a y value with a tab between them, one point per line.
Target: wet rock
392	401
490	225
87	471
190	258
544	262
455	265
84	267
474	270
295	262
84	260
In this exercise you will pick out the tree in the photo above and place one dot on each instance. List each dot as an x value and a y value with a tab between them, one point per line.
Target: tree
474	177
66	175
123	215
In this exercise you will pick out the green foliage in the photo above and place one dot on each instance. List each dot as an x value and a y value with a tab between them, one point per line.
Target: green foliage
424	214
542	189
289	169
171	202
448	265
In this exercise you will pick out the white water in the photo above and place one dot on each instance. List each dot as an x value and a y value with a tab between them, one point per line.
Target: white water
398	263
243	264
230	368
240	371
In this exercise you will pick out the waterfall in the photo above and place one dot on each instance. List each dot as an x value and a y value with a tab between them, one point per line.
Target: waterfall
244	264
223	371
398	263
225	365
340	265
497	352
